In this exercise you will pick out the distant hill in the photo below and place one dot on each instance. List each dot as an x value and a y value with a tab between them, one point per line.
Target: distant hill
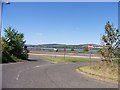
52	44
61	46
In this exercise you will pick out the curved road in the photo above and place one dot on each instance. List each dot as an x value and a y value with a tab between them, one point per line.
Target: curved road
39	73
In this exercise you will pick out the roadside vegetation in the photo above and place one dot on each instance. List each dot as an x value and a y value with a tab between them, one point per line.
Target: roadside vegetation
101	71
60	59
107	68
13	49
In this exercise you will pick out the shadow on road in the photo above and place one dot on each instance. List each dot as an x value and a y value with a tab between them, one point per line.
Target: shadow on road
31	60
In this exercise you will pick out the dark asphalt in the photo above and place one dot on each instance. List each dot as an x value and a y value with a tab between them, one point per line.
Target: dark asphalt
39	73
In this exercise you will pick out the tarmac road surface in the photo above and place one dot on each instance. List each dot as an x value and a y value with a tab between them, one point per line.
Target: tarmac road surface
39	73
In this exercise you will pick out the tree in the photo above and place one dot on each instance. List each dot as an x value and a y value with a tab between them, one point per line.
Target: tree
110	40
13	42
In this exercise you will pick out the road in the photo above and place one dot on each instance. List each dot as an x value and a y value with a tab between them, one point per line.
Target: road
39	73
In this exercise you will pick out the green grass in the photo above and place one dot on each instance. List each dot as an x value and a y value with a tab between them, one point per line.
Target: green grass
61	59
102	70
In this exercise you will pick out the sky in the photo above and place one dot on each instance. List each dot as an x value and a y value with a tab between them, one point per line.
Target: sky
60	22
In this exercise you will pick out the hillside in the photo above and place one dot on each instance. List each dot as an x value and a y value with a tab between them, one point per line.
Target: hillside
61	46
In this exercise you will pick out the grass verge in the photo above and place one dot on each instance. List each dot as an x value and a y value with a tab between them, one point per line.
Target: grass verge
59	59
101	71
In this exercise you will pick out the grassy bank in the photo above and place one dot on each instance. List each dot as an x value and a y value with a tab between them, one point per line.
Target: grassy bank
102	71
59	59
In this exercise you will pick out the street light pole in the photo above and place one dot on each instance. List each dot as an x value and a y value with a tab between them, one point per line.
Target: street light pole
1	12
1	9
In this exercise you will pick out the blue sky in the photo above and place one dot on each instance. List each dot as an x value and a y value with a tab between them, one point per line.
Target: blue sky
63	23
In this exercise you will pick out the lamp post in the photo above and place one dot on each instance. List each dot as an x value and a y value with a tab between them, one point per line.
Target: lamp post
1	12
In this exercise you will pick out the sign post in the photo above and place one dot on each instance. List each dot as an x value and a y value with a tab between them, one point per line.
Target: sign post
64	52
55	51
90	46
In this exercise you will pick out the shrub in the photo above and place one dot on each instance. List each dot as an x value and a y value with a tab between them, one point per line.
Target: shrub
6	57
12	46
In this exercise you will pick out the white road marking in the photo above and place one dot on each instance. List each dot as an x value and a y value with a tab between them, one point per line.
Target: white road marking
17	78
18	75
37	66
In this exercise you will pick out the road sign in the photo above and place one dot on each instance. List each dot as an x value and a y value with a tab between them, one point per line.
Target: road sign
90	45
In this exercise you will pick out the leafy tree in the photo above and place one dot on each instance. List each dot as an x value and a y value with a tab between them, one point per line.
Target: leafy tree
110	41
13	42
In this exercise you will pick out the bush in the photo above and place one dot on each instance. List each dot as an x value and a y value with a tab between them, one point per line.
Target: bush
16	59
85	49
24	55
12	46
6	57
72	49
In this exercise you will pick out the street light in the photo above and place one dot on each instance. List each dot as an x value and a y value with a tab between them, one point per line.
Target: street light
1	11
7	2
